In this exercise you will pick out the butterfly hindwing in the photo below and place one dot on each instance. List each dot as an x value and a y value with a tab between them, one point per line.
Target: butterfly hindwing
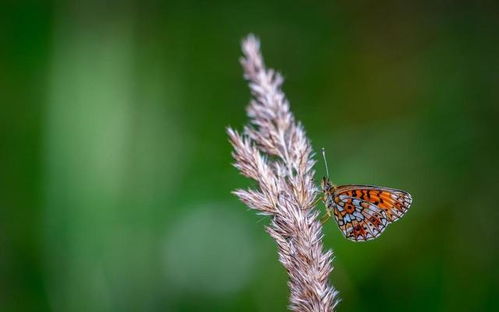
358	219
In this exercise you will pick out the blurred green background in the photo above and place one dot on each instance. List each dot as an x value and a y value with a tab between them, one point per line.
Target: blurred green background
115	168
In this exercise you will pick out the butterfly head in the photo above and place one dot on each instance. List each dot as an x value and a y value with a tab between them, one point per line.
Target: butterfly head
326	185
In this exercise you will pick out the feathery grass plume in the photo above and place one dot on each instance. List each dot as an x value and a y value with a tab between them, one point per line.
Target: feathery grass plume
275	152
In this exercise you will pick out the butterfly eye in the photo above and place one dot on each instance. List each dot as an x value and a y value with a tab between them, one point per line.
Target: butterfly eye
326	184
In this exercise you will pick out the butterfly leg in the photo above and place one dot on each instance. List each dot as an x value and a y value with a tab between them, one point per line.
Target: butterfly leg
326	216
319	199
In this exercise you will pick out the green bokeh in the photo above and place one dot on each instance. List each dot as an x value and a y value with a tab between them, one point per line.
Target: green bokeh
115	168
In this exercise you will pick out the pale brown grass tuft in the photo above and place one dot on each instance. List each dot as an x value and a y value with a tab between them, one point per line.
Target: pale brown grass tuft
275	152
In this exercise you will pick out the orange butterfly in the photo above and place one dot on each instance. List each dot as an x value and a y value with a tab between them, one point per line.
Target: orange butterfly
363	211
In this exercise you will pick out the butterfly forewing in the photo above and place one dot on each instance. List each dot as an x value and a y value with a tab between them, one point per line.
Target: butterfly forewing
392	201
363	211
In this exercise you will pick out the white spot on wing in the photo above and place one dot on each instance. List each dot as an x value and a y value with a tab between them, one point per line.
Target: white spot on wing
347	218
358	215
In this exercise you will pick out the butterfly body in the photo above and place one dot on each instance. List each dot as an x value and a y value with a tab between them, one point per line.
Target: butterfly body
364	211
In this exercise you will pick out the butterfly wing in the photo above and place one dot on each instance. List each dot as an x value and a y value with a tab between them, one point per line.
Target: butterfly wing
364	211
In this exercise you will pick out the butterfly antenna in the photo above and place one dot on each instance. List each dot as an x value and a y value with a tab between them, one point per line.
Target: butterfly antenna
323	150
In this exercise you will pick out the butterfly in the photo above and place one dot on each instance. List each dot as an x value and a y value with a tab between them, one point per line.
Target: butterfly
364	211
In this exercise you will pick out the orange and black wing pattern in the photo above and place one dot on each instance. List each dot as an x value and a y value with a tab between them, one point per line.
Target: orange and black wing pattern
363	211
